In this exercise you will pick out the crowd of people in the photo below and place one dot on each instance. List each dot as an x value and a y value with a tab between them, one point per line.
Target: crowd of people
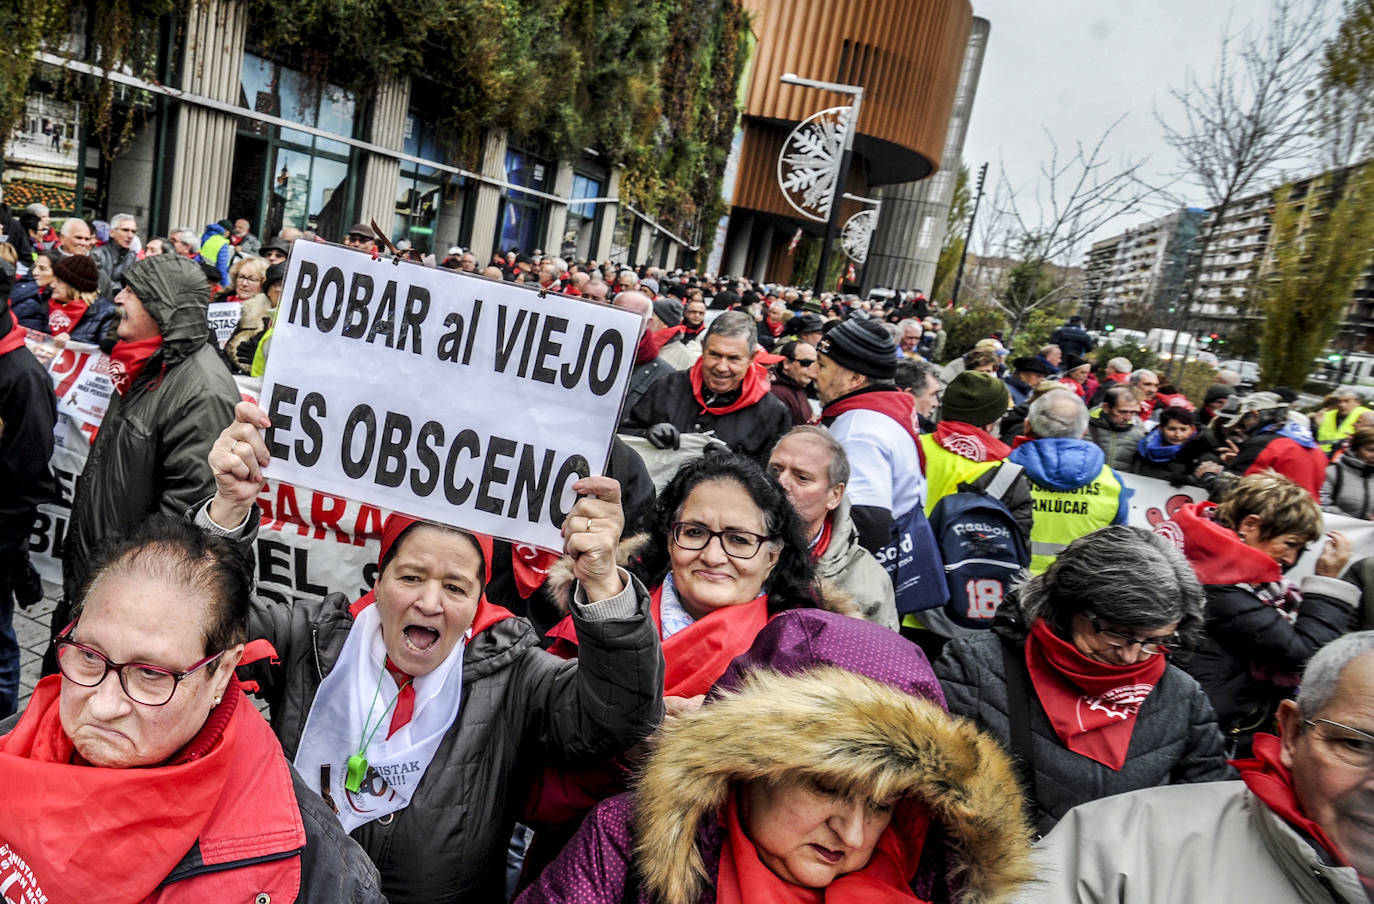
885	634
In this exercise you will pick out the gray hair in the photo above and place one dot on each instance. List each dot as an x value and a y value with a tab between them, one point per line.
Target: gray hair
1139	375
188	236
1058	415
1126	575
120	218
838	471
634	277
902	325
734	325
1119	365
912	374
1323	673
1045	352
38	209
69	225
1117	392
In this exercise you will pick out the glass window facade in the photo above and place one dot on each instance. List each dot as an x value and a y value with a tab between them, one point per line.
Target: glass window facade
580	234
285	176
523	216
420	192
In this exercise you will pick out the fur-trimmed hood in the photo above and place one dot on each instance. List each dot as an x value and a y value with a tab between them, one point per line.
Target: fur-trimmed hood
559	584
848	731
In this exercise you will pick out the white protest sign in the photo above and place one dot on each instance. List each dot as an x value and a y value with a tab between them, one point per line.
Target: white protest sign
223	318
452	398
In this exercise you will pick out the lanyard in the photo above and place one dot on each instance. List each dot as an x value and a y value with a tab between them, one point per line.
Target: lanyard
357	763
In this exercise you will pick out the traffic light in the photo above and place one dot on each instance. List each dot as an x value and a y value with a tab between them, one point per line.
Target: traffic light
1108	328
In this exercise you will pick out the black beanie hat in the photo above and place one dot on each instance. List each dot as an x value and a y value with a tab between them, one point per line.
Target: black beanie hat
863	346
974	397
669	310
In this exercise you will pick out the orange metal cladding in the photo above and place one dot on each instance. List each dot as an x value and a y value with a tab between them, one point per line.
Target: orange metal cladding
905	53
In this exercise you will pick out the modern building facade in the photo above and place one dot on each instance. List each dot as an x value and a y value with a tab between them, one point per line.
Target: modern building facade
908	55
222	130
914	216
1141	272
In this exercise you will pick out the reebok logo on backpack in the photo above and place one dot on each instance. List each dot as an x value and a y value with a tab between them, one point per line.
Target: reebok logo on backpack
982	548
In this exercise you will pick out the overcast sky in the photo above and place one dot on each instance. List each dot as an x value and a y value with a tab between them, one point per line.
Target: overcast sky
1074	66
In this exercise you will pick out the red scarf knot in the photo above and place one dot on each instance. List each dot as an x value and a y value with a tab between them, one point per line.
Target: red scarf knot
756	385
1092	705
127	360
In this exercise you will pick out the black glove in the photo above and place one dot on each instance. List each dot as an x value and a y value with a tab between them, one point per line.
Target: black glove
22	579
665	436
246	350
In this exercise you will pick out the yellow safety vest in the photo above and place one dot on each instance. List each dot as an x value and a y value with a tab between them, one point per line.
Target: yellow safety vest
1062	516
945	471
209	249
1329	432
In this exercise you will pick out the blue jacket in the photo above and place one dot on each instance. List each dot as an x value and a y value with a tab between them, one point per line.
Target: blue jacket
1067	464
29	306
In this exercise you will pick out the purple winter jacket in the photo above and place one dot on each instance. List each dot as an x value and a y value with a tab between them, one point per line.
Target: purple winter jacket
595	866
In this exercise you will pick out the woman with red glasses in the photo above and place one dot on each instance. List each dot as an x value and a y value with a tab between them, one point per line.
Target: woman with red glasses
140	773
1074	675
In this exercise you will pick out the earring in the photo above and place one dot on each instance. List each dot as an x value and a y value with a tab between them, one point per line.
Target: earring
217	699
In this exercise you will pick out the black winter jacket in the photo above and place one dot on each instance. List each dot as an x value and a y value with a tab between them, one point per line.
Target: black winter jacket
1175	738
749	431
521	708
28	412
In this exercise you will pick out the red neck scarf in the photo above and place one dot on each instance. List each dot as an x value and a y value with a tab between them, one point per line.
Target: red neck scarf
897	405
823	541
64	316
774	329
136	824
531	567
128	359
1092	705
14	336
652	342
968	441
695	657
1266	776
754	387
1217	554
886	879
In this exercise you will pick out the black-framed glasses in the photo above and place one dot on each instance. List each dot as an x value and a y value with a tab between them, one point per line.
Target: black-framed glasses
1148	645
150	685
806	363
738	544
1349	745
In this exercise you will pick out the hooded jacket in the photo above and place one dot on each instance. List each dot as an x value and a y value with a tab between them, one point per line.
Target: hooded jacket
150	453
852	569
1175	740
847	703
1073	491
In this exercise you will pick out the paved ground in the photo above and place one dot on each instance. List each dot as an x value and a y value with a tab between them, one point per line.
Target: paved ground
31	627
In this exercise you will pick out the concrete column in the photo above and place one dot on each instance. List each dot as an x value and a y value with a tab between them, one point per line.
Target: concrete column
558	213
673	249
382	175
204	144
489	196
606	214
738	255
763	249
639	251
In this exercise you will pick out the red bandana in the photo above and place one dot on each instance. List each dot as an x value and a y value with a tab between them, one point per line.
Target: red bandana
897	405
755	386
823	541
652	342
695	657
744	879
128	359
14	336
531	567
63	318
968	441
774	329
1092	705
1266	776
1217	554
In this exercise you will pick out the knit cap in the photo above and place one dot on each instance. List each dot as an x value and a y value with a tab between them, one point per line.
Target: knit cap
863	346
974	397
669	310
78	271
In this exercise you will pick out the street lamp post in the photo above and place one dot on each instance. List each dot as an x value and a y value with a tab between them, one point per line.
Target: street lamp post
833	221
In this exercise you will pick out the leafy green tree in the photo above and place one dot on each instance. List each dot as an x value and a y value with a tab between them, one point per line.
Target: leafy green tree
965	325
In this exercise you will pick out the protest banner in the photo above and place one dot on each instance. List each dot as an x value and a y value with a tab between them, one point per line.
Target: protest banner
452	398
223	319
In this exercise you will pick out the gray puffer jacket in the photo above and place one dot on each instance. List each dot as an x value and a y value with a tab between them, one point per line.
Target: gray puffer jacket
1349	487
1117	443
521	708
1175	740
150	454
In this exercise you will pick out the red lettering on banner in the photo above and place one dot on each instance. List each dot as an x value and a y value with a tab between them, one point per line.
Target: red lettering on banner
68	359
288	509
265	503
369	524
325	511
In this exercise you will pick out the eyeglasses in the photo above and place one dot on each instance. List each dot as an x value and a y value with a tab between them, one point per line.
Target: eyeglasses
738	544
1349	745
246	278
1149	646
806	363
151	685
